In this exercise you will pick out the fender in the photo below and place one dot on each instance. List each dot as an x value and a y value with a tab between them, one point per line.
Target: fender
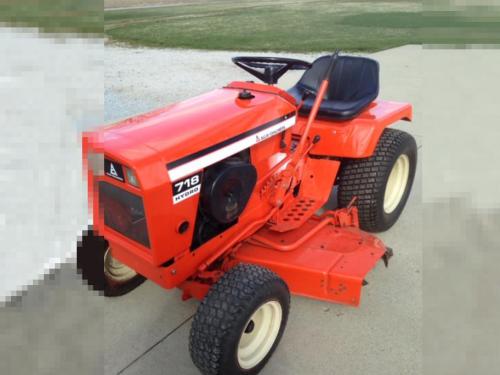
356	138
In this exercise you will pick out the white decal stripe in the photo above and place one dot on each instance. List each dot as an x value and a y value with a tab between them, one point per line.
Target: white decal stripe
218	155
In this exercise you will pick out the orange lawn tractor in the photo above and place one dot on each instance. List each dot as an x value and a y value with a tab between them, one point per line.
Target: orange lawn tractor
223	196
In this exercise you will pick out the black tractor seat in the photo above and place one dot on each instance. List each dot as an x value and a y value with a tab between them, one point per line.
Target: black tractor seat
353	85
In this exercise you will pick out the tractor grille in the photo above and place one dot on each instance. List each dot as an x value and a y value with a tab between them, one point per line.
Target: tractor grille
123	212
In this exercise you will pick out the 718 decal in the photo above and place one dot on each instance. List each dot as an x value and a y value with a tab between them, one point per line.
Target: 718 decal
186	188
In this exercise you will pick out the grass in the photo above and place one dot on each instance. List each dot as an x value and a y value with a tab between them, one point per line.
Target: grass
61	16
298	26
267	25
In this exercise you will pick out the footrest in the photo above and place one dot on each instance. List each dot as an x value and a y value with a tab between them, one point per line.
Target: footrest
296	214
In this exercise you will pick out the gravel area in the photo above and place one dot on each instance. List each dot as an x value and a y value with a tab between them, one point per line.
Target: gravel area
142	79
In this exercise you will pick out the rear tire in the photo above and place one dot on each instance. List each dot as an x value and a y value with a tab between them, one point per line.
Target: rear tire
240	322
382	182
100	270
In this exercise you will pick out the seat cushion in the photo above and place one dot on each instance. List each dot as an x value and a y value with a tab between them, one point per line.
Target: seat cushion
354	84
339	110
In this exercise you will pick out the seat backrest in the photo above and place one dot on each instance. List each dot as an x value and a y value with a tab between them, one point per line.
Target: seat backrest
352	79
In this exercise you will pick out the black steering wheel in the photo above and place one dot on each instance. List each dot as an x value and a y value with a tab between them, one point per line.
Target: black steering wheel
269	69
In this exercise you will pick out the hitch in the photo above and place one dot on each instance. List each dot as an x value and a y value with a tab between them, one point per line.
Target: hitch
387	255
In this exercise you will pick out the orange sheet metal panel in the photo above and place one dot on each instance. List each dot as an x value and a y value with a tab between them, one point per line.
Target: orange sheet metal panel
356	138
331	266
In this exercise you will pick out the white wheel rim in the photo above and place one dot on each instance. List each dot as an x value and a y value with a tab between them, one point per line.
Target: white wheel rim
259	334
116	270
396	184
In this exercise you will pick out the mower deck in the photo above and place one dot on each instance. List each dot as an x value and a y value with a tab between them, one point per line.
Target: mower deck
322	259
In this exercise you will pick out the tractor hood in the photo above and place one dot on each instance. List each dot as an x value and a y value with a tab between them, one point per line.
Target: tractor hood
196	125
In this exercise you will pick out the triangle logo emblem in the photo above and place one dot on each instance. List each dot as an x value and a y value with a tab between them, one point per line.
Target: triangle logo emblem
112	170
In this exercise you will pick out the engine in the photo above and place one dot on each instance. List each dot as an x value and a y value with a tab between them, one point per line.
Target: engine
226	189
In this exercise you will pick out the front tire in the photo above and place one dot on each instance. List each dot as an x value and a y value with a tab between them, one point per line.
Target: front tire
382	182
240	322
100	270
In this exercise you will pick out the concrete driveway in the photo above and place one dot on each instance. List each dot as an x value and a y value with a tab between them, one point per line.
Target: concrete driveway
60	326
146	332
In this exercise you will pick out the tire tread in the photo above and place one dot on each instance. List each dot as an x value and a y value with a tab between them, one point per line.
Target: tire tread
218	313
365	178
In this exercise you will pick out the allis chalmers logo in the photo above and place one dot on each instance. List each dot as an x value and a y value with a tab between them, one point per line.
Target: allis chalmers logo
263	136
113	169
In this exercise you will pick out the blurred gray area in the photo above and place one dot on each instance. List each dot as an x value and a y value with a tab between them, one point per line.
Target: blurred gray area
460	117
461	294
460	288
56	327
